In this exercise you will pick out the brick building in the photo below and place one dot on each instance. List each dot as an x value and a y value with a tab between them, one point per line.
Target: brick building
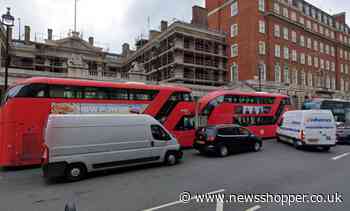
287	46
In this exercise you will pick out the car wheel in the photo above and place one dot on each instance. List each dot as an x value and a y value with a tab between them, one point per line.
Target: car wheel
223	151
75	172
170	159
257	147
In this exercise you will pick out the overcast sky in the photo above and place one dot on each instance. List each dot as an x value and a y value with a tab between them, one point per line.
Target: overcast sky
113	22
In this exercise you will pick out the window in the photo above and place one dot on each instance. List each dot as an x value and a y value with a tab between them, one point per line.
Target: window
285	12
234	30
234	72
310	80
309	60
341	53
341	68
186	123
294	56
332	51
321	47
285	34
303	78
328	65
308	24
327	49
276	8
286	53
234	8
295	77
262	26
309	43
29	91
262	48
294	37
294	16
316	62
68	92
159	133
262	5
277	51
328	82
234	50
277	30
95	93
315	45
286	73
302	58
321	29
142	95
322	63
302	41
333	84
301	20
262	71
315	27
333	67
278	73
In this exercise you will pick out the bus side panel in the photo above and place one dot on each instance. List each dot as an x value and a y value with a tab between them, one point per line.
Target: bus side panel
265	131
222	114
184	137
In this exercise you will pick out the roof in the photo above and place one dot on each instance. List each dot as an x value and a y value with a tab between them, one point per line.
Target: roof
75	82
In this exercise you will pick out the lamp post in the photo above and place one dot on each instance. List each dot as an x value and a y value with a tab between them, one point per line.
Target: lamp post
8	21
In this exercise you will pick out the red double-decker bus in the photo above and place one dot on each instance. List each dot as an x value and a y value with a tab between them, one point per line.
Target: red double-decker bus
25	108
259	112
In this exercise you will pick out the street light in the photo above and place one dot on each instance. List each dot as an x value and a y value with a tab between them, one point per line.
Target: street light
8	21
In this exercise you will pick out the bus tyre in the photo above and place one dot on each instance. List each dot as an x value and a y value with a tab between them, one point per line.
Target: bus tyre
223	151
75	172
257	147
170	159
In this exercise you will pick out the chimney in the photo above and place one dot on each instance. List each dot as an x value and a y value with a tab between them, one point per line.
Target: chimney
163	26
91	41
153	34
126	49
49	34
27	33
199	16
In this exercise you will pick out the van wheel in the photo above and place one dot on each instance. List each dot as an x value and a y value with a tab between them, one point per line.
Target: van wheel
257	147
170	159
75	172
325	149
297	144
223	151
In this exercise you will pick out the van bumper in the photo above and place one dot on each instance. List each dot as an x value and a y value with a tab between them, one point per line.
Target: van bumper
54	170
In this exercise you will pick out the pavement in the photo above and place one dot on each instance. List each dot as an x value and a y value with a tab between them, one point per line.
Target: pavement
278	168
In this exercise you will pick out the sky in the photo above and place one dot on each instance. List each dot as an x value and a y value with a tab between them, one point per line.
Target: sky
114	22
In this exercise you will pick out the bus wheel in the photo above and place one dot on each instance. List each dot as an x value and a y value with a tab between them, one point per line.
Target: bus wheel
223	151
75	172
170	159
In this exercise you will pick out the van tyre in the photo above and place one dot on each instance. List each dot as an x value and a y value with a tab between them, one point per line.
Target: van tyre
75	172
170	159
257	147
223	151
297	144
325	149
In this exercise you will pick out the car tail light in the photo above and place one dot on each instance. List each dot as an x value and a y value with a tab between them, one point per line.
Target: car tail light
302	135
45	156
211	138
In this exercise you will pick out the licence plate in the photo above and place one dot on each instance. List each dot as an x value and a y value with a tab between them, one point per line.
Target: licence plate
200	142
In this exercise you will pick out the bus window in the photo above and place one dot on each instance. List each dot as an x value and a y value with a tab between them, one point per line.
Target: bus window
142	94
118	94
186	123
33	91
11	93
66	92
95	93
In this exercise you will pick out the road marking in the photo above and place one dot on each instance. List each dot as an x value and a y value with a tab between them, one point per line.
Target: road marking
257	207
340	156
219	205
179	202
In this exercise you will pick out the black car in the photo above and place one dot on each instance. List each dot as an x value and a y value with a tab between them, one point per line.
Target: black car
343	133
224	139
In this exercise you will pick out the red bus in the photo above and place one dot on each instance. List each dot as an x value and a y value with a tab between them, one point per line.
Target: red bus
26	106
259	112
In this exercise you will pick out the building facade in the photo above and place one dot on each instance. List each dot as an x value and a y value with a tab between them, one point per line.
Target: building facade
287	46
182	53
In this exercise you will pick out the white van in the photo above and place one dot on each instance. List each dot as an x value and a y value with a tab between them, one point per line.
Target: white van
78	144
315	128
